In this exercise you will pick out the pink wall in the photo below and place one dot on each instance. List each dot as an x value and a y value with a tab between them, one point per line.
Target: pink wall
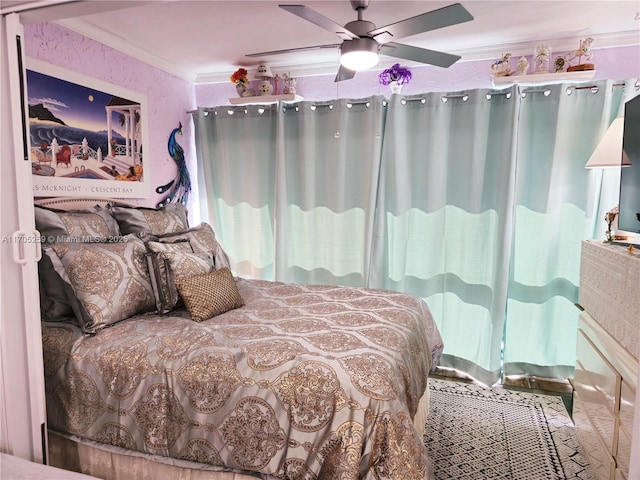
168	97
611	63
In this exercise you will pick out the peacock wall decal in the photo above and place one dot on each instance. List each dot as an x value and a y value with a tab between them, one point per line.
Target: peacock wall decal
180	186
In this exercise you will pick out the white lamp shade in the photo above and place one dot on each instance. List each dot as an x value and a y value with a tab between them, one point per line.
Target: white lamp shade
359	54
609	153
263	72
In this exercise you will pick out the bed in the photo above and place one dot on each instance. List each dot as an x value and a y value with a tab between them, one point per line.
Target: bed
287	381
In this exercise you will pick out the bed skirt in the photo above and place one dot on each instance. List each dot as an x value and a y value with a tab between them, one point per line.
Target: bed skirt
113	463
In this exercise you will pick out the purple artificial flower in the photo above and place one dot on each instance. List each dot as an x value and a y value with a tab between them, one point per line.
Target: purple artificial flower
396	73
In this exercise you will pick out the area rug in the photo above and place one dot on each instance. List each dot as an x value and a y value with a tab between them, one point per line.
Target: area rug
479	433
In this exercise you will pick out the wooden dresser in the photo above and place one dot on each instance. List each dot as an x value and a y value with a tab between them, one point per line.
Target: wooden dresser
608	345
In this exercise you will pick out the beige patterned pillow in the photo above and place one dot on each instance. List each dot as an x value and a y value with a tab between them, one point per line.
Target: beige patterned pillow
94	223
168	262
172	218
209	294
57	302
203	239
110	280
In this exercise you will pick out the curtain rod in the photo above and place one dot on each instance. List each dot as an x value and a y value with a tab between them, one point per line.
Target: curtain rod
321	104
488	95
412	99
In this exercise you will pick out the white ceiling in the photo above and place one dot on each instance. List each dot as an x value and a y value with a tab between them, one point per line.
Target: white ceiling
204	41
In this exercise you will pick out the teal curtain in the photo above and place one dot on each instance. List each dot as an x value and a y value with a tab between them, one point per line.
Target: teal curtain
326	186
475	201
444	220
237	164
556	206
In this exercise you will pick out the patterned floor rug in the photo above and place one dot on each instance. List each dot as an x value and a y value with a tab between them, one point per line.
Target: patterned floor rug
478	433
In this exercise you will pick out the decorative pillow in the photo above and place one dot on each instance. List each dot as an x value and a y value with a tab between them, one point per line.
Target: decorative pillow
90	224
169	219
110	280
203	239
55	305
168	262
209	294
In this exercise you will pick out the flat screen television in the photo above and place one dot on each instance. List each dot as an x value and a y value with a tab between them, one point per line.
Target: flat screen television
629	206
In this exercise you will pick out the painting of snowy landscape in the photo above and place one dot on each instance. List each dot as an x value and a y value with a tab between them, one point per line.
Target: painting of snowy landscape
86	136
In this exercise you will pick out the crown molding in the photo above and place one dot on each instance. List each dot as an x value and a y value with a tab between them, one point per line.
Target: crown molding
561	45
102	36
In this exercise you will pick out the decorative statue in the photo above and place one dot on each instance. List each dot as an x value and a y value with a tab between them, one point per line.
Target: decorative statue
559	64
523	66
181	185
541	58
289	84
583	52
501	67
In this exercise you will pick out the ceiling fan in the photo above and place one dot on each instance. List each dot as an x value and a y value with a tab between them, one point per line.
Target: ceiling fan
362	42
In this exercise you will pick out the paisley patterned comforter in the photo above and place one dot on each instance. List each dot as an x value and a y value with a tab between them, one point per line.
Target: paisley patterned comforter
303	382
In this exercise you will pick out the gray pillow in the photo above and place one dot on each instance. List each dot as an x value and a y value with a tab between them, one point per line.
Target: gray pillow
202	239
169	219
84	225
110	279
169	262
55	304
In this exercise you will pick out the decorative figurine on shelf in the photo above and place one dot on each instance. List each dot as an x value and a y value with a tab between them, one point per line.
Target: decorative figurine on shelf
182	183
583	51
276	84
240	80
523	66
501	68
396	77
541	57
559	64
289	84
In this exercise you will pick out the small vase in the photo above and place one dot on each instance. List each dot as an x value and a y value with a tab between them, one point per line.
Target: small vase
395	87
523	66
240	88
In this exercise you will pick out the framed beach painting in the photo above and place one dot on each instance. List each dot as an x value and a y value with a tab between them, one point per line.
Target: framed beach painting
87	136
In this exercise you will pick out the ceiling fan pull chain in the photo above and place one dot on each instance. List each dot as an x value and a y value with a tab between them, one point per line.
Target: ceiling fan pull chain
337	134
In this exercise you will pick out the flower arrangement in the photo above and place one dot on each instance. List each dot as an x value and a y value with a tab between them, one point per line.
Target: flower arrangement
239	76
398	74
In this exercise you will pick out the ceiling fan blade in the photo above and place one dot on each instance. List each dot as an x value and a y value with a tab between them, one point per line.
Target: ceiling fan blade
442	17
289	50
344	74
319	20
422	55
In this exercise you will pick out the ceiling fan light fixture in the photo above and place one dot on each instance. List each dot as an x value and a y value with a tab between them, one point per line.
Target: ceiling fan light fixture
359	54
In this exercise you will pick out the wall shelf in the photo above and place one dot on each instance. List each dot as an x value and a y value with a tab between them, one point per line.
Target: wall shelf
543	78
287	97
